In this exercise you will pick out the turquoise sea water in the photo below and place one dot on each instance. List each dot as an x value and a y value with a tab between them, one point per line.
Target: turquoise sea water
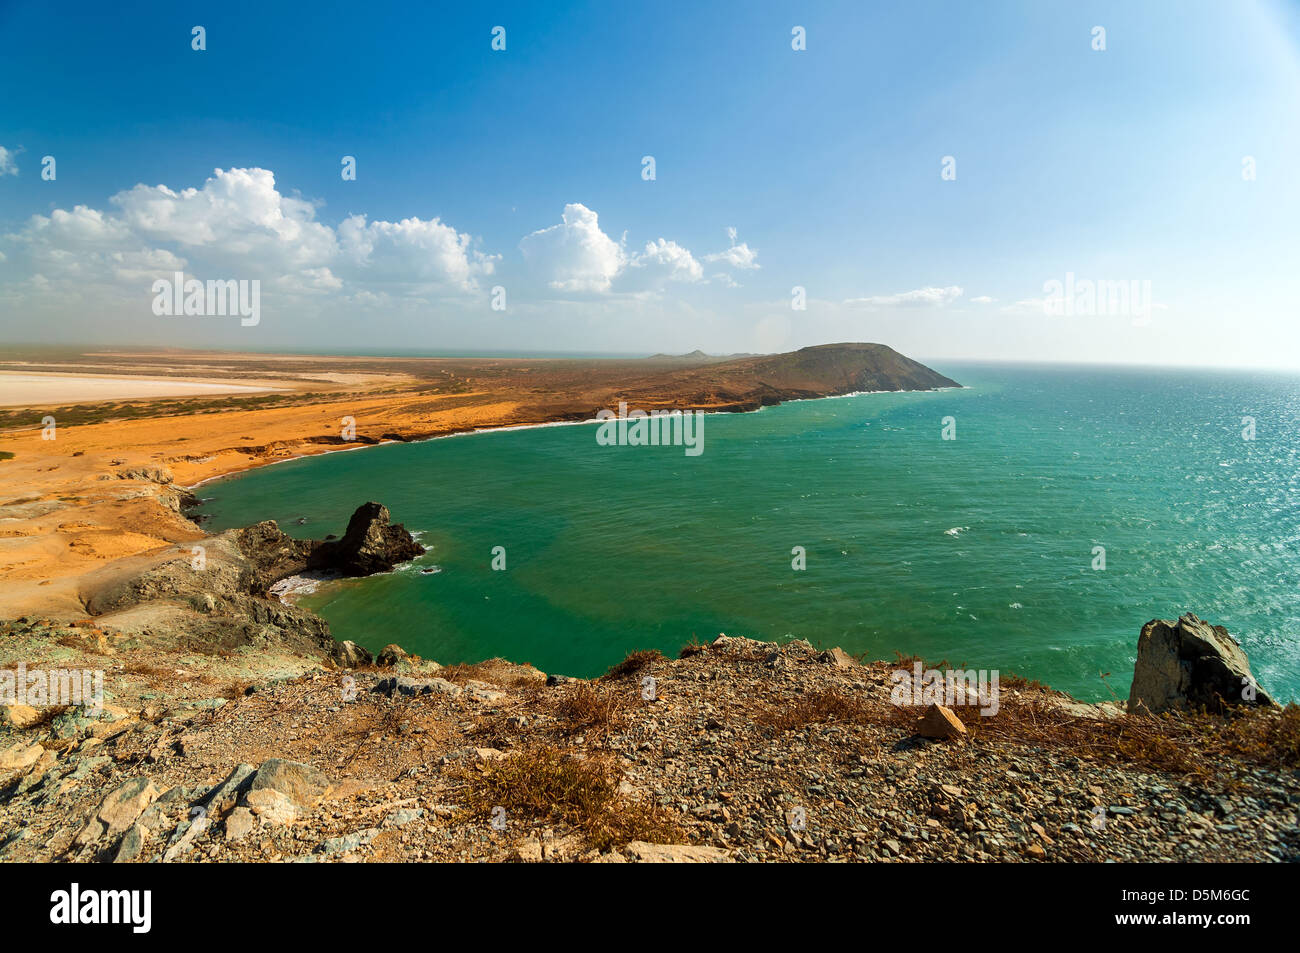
978	550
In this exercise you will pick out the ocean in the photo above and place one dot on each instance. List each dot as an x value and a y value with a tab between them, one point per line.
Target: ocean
1073	505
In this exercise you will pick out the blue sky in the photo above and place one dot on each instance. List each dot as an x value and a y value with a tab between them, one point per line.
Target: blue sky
522	169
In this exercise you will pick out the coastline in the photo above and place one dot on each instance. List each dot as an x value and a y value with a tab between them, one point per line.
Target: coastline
547	423
103	492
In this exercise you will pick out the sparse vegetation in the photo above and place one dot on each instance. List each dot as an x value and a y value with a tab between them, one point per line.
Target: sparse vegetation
634	663
588	710
547	785
1192	743
814	708
693	647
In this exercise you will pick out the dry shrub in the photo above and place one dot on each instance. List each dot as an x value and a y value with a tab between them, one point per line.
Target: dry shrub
1012	680
908	661
1269	738
814	708
546	785
634	663
587	710
1195	744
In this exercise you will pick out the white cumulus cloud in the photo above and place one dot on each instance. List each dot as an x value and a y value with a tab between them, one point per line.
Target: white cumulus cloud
238	214
413	251
575	255
921	297
738	255
239	225
668	261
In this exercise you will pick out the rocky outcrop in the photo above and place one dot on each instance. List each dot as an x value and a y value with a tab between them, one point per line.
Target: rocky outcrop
119	810
217	593
161	475
16	715
371	544
1191	664
749	751
272	554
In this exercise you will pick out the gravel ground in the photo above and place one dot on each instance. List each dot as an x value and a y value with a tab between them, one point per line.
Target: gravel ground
738	756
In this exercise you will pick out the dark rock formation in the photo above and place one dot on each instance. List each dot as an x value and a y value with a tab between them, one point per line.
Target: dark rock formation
217	593
271	553
1191	664
371	544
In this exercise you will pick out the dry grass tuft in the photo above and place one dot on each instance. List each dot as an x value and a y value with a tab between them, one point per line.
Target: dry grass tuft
587	710
693	647
1195	744
634	663
815	708
149	669
546	785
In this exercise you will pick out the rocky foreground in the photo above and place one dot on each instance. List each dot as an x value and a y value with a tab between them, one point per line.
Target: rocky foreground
737	751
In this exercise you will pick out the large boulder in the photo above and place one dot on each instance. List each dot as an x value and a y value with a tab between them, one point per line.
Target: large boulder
1191	664
940	722
347	654
119	810
392	655
18	715
20	754
371	544
300	783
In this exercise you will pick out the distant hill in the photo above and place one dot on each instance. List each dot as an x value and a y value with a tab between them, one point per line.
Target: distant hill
750	381
695	357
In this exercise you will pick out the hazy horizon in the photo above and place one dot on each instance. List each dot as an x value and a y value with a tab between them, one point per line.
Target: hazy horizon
575	354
